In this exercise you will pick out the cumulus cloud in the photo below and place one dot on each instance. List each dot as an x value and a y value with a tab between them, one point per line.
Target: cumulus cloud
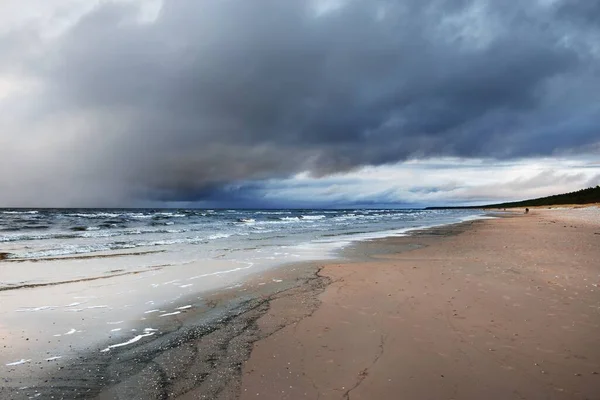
184	100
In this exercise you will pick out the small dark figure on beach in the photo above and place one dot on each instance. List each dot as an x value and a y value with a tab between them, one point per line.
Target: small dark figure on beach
527	211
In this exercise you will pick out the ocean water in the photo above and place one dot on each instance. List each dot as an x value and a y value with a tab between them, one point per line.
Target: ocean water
72	279
47	233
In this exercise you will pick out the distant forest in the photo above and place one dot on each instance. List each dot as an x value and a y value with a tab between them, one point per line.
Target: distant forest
583	196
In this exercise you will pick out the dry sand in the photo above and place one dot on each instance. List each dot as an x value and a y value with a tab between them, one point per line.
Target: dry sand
506	309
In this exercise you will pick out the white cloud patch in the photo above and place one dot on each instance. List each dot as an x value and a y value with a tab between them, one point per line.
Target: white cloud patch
431	182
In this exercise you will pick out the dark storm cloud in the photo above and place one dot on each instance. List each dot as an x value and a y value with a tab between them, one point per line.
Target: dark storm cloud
213	92
581	10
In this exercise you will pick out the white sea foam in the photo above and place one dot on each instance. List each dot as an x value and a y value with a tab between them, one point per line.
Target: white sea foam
221	272
53	358
65	249
94	215
171	215
72	331
35	309
219	236
127	343
169	314
184	307
21	361
139	216
288	219
313	217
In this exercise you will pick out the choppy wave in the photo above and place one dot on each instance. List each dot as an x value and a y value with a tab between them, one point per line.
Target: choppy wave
67	249
94	215
312	217
87	232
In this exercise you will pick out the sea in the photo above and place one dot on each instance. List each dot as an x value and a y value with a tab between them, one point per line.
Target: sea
51	233
72	280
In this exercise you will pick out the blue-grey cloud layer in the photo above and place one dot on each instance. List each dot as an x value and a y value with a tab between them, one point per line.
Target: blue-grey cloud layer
214	92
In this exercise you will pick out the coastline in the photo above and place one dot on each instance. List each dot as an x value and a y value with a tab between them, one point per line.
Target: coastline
219	315
72	279
209	363
257	344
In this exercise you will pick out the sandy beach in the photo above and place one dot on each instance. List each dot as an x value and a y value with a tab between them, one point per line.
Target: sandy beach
500	309
503	308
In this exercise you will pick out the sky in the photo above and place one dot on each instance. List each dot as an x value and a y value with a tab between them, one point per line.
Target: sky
296	103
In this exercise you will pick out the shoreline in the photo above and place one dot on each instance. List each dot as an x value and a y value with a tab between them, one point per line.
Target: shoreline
237	306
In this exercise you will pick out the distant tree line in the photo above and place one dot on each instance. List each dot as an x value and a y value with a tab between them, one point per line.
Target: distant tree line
583	196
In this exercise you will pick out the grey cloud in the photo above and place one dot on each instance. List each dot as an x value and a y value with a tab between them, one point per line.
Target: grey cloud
215	92
580	10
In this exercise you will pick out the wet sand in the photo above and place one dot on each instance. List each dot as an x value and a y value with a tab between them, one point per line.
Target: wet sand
197	349
506	309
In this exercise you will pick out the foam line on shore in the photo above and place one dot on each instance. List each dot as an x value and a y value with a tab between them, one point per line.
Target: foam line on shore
84	257
93	278
169	314
127	343
21	361
221	272
35	309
